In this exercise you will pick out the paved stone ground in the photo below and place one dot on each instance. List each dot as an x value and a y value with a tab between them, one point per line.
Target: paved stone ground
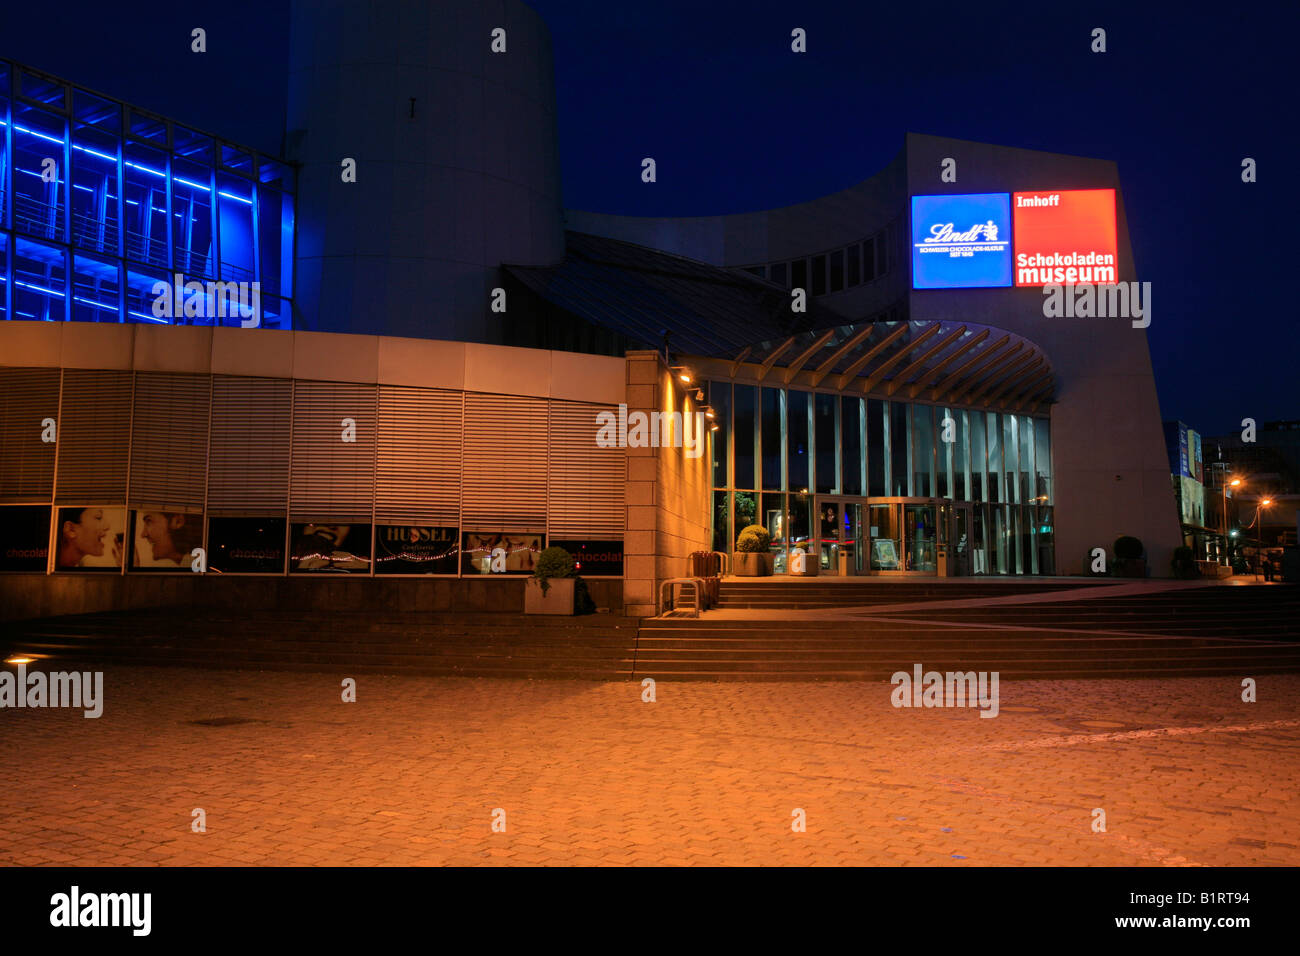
709	774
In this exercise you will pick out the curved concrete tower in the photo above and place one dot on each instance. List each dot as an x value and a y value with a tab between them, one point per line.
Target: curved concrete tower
457	168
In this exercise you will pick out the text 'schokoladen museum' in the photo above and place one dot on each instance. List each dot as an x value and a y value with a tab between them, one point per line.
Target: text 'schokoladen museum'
378	409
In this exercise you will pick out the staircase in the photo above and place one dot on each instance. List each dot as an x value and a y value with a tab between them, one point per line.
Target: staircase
593	647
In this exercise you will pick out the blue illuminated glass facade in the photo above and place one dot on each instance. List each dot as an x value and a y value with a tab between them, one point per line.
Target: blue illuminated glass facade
100	201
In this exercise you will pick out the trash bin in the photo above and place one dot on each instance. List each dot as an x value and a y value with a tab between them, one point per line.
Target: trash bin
941	560
707	565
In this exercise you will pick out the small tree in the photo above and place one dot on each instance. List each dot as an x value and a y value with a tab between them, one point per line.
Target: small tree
553	563
753	539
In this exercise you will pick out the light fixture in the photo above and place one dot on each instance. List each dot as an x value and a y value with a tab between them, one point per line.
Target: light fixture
20	660
714	427
683	373
699	394
1235	482
1266	502
708	411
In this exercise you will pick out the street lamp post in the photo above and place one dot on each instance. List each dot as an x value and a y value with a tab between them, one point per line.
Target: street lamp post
1259	532
1226	550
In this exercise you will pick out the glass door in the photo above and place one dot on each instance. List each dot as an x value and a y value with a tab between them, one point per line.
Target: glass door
828	535
886	535
919	531
960	541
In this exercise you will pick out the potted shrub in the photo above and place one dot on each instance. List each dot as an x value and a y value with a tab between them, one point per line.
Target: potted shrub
1129	560
1184	563
552	587
752	559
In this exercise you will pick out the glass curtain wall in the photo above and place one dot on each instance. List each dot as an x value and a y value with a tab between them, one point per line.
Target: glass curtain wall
99	202
783	457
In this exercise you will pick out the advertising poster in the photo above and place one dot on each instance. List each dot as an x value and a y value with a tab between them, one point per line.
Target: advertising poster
500	553
246	545
1194	451
1065	237
961	242
90	539
594	558
416	549
321	547
165	540
24	538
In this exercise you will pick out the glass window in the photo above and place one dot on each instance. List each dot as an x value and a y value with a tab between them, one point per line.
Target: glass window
1043	460
854	257
195	147
919	531
275	313
746	418
1046	539
978	458
95	285
922	451
877	446
773	449
144	211
797	441
851	466
837	270
868	260
500	552
961	456
192	218
885	525
800	518
945	437
722	536
720	401
746	514
4	276
819	275
248	545
799	274
272	172
882	256
900	453
40	274
91	110
1010	454
824	443
598	558
40	172
781	274
96	209
774	520
142	293
232	157
152	128
1025	435
994	435
46	91
422	549
4	156
24	539
235	228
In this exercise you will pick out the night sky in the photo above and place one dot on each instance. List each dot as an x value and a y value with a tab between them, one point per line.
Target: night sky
737	122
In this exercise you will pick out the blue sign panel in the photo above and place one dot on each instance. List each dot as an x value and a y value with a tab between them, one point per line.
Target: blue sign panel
961	242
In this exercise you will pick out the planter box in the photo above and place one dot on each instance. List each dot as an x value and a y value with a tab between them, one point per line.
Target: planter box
558	598
752	564
811	565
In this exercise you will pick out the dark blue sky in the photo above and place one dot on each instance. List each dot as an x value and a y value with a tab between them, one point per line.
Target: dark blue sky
738	122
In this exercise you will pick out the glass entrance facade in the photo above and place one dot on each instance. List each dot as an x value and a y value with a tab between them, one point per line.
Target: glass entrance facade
877	486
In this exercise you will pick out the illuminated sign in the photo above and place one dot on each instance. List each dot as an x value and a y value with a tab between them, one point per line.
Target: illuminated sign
1065	237
961	242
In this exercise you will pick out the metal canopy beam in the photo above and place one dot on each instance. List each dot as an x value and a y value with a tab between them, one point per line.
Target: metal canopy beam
974	362
931	375
776	354
929	353
851	372
793	368
996	386
904	352
824	369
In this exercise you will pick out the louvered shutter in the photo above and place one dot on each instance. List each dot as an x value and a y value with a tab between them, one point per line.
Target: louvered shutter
94	432
249	468
586	491
169	440
28	396
418	481
331	478
505	463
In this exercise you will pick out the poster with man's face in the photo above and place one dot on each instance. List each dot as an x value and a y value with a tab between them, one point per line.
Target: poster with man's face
165	540
91	538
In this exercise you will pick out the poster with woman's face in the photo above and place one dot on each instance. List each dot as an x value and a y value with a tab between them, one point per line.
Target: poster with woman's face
165	540
500	553
90	538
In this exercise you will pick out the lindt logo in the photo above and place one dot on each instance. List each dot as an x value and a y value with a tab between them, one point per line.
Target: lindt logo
943	232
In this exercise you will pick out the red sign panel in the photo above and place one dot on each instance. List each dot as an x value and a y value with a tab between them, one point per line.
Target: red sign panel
1065	237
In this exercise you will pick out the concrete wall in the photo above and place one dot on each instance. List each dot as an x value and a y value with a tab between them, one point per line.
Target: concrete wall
668	492
314	356
1110	470
441	197
25	596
